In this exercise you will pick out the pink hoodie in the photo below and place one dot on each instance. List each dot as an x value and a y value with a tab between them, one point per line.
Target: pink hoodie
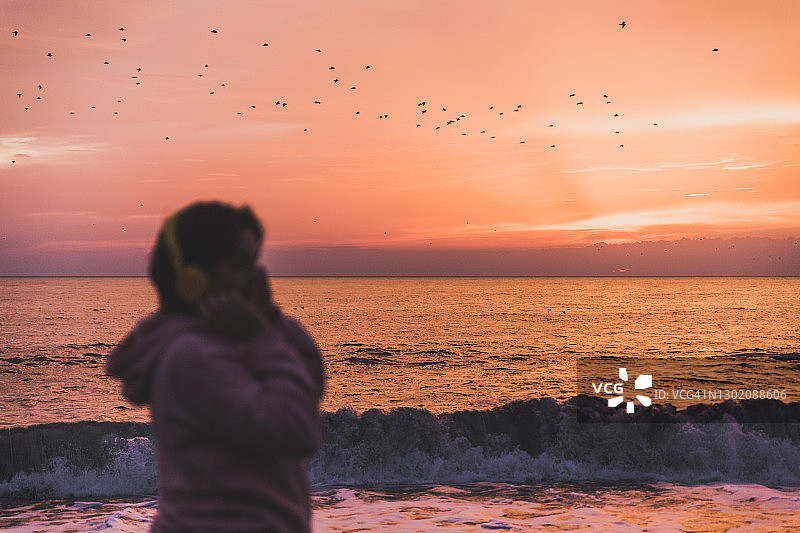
233	422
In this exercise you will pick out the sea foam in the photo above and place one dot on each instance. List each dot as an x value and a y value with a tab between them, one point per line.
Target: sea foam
527	441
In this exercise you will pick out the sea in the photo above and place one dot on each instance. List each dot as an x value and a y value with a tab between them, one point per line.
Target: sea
452	404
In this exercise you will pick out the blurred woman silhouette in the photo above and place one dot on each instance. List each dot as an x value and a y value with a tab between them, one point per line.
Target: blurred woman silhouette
233	384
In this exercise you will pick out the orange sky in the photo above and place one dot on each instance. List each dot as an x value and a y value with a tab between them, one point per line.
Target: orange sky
705	144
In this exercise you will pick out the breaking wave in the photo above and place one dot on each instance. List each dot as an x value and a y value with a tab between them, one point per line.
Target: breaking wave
526	441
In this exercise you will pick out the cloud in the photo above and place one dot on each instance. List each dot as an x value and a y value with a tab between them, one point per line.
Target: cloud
32	149
713	214
724	164
698	216
748	166
92	215
737	115
83	246
729	117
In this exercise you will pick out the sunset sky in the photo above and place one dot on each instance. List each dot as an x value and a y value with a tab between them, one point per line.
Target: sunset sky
451	136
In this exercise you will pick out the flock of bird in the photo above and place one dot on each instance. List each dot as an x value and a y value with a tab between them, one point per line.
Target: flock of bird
428	116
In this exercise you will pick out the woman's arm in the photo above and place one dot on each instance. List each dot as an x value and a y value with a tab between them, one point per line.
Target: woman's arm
256	396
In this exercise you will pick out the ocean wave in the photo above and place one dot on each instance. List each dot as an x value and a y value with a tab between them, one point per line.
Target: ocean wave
365	360
756	353
367	355
75	346
526	441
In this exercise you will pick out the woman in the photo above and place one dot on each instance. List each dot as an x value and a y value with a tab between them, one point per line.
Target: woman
233	385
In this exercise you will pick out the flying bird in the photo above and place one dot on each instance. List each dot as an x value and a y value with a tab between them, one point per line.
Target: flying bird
213	31
715	50
88	35
15	32
623	24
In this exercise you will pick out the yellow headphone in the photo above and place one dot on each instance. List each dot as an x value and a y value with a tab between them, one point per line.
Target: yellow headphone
191	283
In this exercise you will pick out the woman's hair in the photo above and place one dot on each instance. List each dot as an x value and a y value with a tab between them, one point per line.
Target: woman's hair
205	235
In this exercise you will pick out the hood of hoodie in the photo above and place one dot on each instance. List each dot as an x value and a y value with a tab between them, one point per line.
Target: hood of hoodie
136	357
